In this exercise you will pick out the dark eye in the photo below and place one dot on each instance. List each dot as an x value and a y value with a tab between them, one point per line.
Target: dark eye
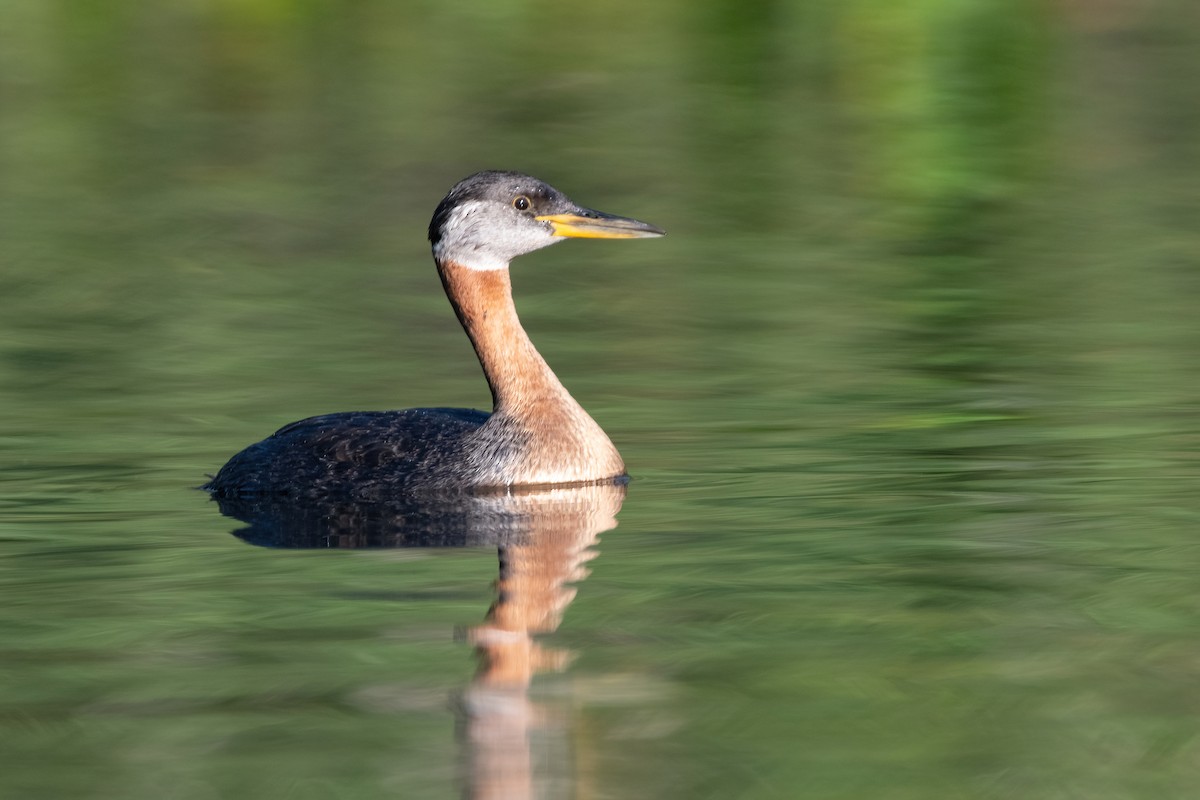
521	203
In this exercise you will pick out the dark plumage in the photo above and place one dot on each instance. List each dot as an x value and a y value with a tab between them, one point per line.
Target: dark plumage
363	454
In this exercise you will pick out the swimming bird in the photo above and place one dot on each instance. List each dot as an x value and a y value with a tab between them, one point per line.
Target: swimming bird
536	433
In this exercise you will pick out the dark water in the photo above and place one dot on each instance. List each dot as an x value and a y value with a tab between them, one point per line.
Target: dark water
910	395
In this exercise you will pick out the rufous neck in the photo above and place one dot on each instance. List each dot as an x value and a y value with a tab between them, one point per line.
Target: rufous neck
518	376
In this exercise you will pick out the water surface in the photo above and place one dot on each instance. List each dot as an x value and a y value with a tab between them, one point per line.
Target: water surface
909	395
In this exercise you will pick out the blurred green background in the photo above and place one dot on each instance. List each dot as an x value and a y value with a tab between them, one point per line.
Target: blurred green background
910	391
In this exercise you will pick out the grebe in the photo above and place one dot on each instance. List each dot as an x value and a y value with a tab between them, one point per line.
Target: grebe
536	434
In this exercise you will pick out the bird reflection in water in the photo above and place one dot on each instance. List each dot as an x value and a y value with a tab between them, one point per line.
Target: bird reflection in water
544	537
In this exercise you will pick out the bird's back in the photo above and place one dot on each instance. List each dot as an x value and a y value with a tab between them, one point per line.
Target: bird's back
363	454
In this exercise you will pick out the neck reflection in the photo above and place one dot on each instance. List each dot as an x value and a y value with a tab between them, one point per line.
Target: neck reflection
544	537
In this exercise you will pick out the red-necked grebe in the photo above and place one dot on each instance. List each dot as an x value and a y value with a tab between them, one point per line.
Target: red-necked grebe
536	433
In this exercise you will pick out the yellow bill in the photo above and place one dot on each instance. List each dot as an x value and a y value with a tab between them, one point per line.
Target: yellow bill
588	224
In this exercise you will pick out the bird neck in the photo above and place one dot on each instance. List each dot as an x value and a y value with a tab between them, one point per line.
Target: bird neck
521	381
549	436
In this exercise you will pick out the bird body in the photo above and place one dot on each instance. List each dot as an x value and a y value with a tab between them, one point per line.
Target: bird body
536	434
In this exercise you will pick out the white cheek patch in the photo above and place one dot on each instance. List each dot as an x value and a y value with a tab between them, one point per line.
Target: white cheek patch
459	242
462	221
475	237
466	257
